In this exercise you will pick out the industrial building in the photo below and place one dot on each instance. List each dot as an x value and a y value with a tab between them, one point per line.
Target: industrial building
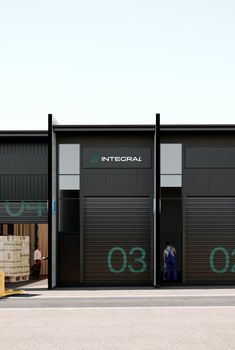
112	197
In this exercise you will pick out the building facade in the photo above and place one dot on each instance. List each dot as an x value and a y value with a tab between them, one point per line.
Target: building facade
117	194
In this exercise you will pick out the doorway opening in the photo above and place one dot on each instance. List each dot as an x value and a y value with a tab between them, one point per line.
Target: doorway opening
18	243
171	235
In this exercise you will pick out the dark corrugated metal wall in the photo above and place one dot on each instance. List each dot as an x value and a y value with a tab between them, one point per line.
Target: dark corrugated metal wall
23	171
23	212
27	187
19	148
23	182
117	240
210	240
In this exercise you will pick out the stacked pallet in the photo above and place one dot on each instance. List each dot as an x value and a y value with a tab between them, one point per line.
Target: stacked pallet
14	257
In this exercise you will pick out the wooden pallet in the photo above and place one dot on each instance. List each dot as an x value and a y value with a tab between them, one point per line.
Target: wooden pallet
19	278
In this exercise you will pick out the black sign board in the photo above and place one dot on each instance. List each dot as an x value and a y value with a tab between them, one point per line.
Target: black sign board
122	158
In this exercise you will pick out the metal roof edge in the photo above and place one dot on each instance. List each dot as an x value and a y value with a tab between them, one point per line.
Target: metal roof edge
23	133
103	127
198	128
148	127
143	127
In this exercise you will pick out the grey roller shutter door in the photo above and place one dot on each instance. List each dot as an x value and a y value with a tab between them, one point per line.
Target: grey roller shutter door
210	240
117	241
23	212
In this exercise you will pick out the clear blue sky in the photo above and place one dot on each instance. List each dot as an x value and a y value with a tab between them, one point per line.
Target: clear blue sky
119	61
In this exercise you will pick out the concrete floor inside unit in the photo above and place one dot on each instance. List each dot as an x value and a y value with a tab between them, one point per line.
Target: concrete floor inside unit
41	283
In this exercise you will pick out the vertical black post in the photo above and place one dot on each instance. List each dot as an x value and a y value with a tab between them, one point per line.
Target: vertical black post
49	201
36	236
157	202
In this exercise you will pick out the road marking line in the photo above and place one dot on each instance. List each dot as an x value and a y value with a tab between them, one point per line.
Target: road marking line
121	296
116	308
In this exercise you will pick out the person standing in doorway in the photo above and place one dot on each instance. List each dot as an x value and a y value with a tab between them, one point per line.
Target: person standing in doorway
37	257
169	259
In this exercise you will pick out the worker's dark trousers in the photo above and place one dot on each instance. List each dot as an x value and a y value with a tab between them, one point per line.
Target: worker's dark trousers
170	267
38	270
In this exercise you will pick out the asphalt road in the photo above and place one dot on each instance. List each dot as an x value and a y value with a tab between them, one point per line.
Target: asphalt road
32	301
119	320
